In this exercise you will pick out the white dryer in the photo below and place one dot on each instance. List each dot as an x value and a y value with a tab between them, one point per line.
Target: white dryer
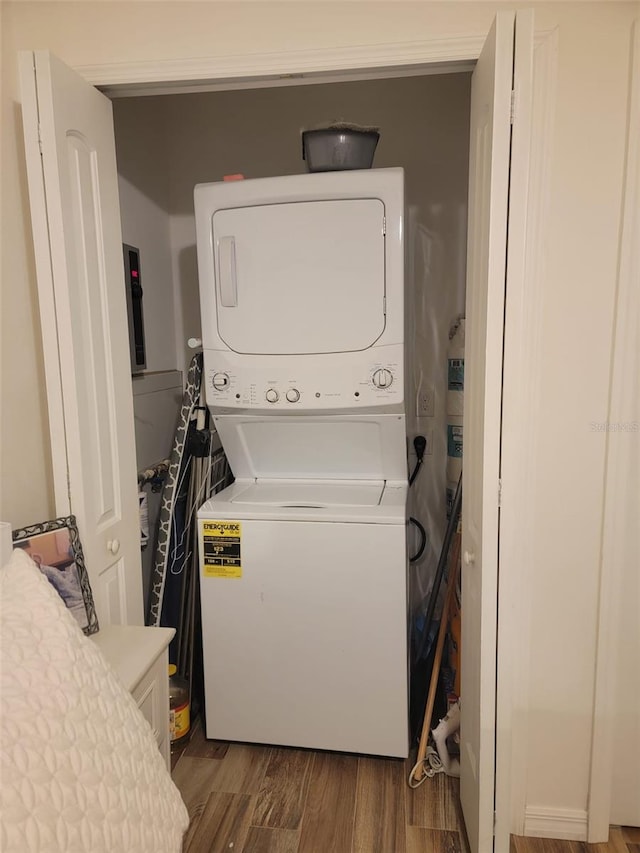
303	559
302	292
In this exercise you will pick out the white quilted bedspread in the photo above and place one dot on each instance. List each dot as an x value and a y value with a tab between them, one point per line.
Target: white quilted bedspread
81	771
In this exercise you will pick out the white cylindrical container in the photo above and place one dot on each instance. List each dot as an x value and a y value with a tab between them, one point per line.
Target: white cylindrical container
454	449
455	408
455	372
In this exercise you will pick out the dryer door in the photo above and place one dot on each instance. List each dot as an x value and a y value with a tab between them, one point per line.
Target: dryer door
300	278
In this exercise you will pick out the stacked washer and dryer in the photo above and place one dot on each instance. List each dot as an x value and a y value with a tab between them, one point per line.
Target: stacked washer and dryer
303	560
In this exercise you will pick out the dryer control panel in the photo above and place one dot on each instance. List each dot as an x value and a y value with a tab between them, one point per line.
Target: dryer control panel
357	380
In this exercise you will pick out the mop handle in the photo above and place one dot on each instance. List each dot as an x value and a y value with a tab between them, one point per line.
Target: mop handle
444	621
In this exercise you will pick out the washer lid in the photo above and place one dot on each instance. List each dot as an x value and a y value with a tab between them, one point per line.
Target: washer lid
329	447
289	494
300	277
251	500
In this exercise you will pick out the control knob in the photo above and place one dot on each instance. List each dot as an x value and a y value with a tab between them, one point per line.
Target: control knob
221	381
382	378
272	395
293	395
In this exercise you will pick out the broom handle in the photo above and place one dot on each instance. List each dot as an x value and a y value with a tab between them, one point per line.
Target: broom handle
444	620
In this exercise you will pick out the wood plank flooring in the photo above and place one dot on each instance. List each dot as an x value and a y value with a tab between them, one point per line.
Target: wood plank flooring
256	799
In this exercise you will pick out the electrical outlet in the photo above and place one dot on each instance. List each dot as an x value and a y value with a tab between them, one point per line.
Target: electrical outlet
425	402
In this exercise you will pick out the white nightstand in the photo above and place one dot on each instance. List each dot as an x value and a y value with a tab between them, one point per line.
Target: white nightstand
139	656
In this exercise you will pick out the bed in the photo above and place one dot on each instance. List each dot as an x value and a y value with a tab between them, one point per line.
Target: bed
81	771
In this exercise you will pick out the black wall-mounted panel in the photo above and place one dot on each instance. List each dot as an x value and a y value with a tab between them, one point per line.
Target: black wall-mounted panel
133	283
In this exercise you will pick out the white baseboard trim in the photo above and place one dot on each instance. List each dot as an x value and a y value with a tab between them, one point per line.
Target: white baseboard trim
567	824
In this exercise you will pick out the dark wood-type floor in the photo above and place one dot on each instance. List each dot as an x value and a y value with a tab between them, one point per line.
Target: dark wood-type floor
254	799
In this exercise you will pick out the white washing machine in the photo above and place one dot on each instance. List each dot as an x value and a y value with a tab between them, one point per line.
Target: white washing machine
303	559
305	614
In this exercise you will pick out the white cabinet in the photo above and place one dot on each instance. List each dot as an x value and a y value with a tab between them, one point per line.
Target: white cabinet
140	658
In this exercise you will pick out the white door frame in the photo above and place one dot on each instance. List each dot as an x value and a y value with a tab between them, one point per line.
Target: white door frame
522	343
619	546
521	390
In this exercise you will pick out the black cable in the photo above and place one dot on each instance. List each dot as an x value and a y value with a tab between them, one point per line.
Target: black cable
420	445
423	544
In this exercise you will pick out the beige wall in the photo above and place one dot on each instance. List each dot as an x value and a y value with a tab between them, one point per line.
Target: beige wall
26	488
577	308
143	185
577	292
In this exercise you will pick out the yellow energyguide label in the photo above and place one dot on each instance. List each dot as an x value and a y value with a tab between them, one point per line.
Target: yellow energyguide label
221	542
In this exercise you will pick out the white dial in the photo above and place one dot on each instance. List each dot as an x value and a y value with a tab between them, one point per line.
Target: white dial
221	381
293	395
382	378
272	395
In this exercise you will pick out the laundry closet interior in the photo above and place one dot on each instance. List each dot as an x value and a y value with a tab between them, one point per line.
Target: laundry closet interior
166	144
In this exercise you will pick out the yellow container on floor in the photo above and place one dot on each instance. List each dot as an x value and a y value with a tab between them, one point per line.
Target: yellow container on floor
179	707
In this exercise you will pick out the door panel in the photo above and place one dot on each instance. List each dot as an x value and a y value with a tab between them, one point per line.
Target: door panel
486	269
305	277
87	318
77	234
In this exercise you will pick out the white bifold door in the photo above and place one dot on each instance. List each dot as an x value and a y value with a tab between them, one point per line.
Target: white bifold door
75	213
73	188
498	164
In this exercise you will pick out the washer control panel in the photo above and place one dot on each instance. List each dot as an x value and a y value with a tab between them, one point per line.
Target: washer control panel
289	383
